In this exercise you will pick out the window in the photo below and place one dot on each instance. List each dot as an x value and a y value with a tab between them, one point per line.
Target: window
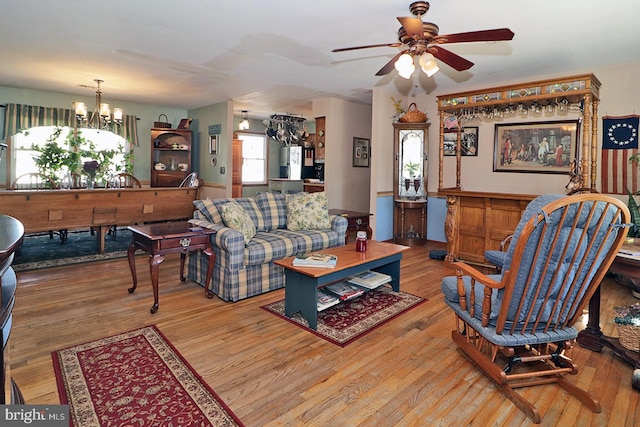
254	158
23	156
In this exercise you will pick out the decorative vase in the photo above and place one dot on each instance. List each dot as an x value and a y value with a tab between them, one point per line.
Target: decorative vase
407	183
91	181
416	184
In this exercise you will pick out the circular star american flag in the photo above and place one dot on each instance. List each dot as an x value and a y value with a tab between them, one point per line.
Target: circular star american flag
622	133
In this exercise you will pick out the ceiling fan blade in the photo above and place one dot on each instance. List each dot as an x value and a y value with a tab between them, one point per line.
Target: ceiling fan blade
476	36
413	26
389	66
367	46
450	58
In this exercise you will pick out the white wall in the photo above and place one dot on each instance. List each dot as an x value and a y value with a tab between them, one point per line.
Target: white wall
347	187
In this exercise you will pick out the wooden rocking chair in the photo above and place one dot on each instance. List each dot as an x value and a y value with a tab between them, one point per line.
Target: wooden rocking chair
517	326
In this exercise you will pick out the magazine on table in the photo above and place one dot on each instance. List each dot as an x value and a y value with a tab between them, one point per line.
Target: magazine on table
326	300
315	260
370	279
344	290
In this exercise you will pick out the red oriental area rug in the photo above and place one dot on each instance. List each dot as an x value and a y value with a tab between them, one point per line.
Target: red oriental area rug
346	322
135	378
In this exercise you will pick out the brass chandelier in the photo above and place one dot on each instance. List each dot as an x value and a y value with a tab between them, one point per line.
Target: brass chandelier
102	117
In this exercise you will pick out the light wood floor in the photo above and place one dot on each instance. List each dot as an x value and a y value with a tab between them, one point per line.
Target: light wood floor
272	373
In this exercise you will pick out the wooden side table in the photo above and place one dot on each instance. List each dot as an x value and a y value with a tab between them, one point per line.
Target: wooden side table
357	221
169	238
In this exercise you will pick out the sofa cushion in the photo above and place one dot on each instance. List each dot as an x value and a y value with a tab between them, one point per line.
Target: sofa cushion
308	211
312	240
250	205
274	210
209	210
236	217
268	246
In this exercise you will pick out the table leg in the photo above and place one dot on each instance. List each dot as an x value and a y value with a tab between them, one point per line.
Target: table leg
100	232
132	266
211	260
300	296
591	336
154	267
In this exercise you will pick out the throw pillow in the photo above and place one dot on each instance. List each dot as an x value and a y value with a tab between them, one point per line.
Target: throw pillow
308	211
209	210
274	209
236	217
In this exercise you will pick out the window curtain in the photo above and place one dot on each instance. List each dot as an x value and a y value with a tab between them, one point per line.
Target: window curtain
19	117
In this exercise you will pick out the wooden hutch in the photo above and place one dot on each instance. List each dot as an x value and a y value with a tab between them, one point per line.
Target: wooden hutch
478	221
170	156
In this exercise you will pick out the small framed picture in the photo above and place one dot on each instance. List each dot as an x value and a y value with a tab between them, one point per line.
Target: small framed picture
361	152
213	144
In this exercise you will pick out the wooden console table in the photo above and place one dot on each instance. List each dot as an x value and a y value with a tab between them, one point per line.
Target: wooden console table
356	221
169	238
44	210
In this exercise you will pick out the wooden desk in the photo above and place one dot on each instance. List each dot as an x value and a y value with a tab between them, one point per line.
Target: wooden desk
357	221
44	210
168	238
592	337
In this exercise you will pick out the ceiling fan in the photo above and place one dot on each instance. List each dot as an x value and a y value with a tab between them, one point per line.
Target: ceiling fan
421	39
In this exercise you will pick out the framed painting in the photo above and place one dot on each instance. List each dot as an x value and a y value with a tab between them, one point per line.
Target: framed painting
361	152
213	144
468	141
536	147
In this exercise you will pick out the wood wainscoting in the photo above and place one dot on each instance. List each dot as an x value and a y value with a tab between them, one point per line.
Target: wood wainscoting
479	221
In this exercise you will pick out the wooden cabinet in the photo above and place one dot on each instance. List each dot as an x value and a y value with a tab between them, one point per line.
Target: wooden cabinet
411	143
479	221
170	156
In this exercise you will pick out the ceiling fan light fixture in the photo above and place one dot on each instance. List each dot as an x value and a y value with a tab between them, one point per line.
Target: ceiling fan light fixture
428	64
405	65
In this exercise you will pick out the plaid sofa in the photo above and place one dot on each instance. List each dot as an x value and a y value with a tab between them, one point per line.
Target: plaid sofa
244	270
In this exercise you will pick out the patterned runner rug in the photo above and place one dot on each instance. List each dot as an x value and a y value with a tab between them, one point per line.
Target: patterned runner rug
135	378
346	322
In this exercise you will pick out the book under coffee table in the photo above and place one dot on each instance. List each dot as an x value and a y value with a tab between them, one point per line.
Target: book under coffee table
302	283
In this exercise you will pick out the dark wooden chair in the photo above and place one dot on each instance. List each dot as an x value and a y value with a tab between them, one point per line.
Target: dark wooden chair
517	327
124	180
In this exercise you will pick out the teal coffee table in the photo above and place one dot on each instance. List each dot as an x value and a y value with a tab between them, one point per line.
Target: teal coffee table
302	283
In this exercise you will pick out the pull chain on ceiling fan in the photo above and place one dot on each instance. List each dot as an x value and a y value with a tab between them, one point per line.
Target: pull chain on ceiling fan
421	39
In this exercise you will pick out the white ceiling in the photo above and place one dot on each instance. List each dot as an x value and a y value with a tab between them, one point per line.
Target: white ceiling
275	56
